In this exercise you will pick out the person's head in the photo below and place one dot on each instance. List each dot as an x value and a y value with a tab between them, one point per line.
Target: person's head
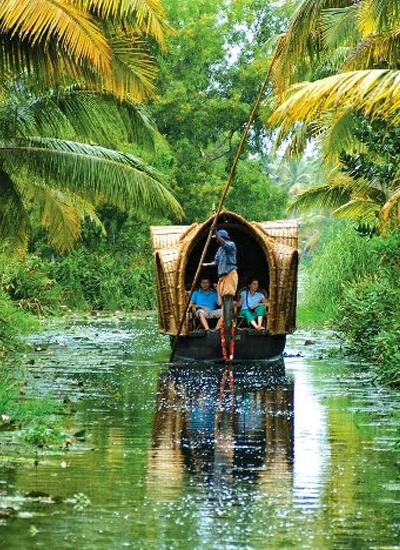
253	284
205	283
223	234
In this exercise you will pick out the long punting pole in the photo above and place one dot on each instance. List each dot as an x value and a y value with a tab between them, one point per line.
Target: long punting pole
221	202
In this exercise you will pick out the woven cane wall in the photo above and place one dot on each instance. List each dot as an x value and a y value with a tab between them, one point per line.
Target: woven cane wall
273	267
287	294
181	296
292	293
165	236
165	265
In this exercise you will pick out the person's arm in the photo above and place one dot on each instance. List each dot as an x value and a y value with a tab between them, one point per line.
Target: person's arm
207	264
192	303
264	299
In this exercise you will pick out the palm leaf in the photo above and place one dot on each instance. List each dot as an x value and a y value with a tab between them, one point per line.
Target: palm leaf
50	21
133	72
339	26
96	173
372	91
301	41
61	40
364	210
148	15
103	120
14	221
320	196
339	133
378	17
390	212
373	51
73	113
61	215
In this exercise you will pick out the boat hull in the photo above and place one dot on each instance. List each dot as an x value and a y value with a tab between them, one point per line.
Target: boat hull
250	345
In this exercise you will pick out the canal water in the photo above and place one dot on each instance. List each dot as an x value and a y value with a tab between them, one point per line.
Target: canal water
166	457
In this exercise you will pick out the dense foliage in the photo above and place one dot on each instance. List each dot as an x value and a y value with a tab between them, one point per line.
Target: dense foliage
208	85
368	313
342	257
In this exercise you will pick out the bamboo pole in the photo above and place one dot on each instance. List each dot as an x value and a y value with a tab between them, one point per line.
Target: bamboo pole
220	205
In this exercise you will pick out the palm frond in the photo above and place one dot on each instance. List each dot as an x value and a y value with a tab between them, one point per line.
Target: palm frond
389	214
148	15
61	215
320	196
339	133
374	51
339	26
46	21
364	210
298	141
378	17
106	121
372	91
96	173
62	41
14	221
302	40
133	72
73	113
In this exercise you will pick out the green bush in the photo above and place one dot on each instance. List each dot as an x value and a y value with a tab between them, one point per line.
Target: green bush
27	283
343	255
105	281
368	314
13	322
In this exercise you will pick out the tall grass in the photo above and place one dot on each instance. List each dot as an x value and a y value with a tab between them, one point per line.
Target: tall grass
342	256
369	315
13	322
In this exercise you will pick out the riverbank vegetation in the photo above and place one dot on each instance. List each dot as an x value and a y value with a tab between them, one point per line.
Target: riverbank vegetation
333	87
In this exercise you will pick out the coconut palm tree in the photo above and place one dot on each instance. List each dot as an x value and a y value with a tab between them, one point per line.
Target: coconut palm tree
103	45
360	84
73	72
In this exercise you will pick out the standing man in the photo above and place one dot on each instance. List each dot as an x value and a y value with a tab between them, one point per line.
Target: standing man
225	260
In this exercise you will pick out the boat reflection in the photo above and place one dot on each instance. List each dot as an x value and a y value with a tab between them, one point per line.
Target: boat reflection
214	424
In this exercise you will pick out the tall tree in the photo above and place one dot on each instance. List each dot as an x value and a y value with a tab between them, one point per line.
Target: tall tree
208	86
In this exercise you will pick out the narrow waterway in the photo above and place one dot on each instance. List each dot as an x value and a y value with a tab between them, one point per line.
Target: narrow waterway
165	457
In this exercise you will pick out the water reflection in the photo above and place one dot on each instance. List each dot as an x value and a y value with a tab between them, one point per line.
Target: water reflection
177	458
220	427
312	455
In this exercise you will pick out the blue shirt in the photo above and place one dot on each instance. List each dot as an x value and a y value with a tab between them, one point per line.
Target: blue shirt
251	300
225	258
208	299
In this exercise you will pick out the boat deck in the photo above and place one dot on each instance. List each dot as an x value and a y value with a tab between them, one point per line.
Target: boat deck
250	344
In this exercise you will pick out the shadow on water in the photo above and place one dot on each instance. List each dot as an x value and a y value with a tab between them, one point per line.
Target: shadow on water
219	425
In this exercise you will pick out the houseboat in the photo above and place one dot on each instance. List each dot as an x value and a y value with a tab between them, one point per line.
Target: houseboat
266	251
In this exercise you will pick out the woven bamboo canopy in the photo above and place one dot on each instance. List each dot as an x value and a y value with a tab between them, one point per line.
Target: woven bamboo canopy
267	251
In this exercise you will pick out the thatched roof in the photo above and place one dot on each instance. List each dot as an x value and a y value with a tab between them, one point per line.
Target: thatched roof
267	249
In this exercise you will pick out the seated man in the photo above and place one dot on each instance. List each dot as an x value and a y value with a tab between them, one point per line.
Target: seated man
252	303
205	303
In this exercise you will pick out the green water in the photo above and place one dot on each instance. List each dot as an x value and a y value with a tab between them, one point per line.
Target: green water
171	458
